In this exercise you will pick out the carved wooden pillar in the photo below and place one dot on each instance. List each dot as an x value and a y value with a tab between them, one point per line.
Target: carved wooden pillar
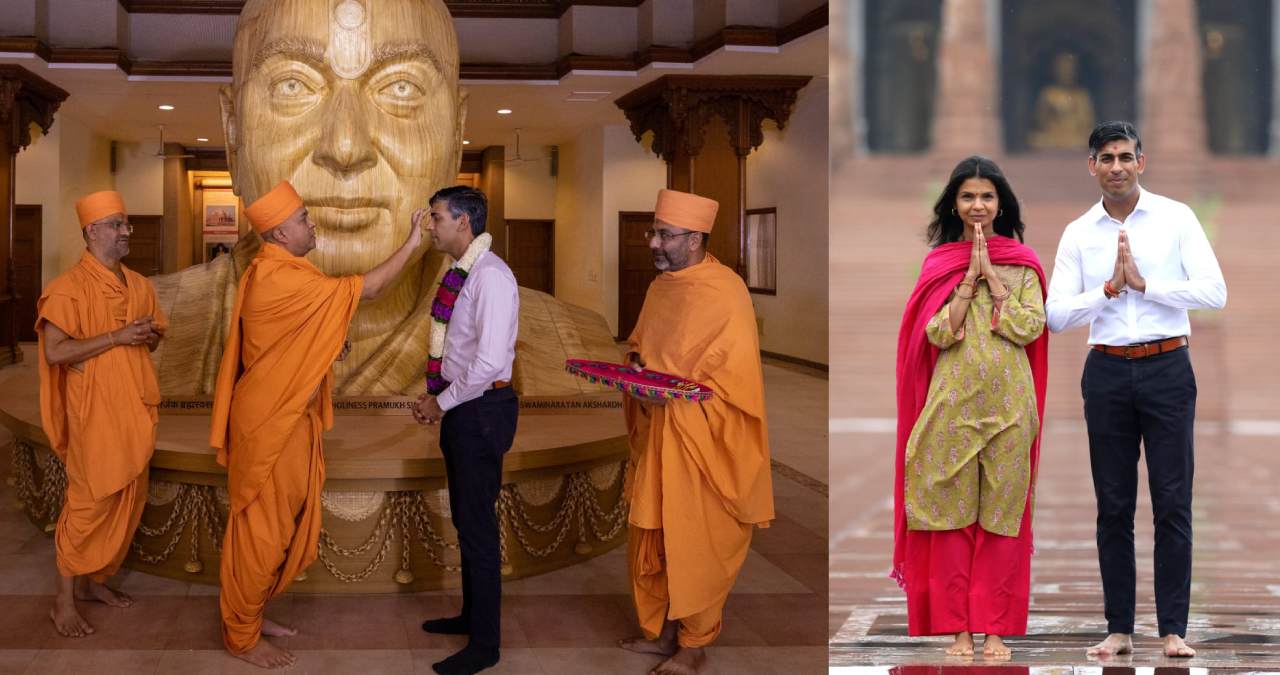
705	127
25	99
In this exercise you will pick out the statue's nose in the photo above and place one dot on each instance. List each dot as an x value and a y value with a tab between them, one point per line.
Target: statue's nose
346	146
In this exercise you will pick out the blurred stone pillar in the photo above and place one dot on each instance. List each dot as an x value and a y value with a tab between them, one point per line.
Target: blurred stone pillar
1173	124
966	118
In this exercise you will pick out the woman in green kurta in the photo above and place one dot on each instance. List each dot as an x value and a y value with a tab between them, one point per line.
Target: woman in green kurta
968	466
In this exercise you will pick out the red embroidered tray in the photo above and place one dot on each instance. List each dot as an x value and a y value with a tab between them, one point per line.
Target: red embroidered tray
643	383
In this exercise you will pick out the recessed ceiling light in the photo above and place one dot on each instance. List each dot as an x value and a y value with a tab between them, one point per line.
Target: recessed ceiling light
504	111
203	140
466	142
165	106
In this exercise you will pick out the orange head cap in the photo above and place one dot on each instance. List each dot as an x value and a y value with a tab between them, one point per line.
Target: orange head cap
685	210
274	207
99	205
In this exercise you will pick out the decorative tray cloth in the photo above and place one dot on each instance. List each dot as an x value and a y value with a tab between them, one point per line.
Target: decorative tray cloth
642	383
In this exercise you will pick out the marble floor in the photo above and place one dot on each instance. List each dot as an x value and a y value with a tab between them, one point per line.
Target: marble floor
566	621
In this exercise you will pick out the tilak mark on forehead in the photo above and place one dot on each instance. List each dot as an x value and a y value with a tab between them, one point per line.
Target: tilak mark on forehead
350	50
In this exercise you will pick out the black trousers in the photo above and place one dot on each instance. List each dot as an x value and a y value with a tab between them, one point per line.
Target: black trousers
1149	402
473	438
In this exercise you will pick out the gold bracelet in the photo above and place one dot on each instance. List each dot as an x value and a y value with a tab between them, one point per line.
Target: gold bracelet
1007	291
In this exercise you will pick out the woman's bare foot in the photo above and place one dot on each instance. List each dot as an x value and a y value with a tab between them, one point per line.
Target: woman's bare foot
1176	647
67	620
274	629
994	647
642	646
266	655
686	661
1114	645
963	646
93	591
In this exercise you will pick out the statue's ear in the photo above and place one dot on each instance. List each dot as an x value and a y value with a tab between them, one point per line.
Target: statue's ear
227	102
463	95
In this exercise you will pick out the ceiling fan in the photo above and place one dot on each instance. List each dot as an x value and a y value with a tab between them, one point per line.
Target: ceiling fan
160	151
520	158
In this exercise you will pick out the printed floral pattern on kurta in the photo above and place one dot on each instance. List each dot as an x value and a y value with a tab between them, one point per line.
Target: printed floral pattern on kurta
968	456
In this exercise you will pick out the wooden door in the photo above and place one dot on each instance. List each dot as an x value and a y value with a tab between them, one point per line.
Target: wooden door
635	267
531	253
27	268
146	246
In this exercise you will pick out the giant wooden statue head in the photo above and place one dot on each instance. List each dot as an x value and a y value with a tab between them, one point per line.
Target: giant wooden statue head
357	104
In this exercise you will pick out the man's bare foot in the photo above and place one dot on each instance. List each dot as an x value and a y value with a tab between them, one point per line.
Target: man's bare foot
963	646
93	591
266	655
641	645
1114	645
994	647
686	661
67	620
1176	647
274	629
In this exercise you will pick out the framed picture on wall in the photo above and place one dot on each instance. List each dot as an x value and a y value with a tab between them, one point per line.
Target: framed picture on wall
221	214
218	244
760	250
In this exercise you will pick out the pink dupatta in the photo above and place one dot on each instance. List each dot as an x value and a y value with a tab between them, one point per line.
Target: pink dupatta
942	270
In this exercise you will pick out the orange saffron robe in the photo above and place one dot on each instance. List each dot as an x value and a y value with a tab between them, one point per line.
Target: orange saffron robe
100	418
699	474
271	406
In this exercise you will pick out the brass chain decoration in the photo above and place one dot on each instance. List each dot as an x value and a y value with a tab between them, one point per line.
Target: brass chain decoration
404	517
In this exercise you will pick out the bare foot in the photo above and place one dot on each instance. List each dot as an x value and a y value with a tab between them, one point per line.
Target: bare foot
274	629
1114	645
67	620
963	646
1176	647
686	661
994	647
641	645
96	592
266	655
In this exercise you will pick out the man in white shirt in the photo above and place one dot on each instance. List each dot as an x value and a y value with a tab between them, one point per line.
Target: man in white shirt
474	324
1130	268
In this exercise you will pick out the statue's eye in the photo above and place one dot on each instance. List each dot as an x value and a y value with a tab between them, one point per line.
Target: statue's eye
402	91
291	87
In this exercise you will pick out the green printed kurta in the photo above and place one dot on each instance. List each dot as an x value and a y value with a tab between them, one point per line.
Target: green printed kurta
968	457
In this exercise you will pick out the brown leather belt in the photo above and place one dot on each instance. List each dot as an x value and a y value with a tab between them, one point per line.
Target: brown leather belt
501	384
1145	349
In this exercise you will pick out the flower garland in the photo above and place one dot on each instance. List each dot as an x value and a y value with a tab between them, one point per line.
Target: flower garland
442	309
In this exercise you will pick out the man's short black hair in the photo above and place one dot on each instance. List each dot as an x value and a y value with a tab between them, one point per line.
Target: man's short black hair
468	200
1115	130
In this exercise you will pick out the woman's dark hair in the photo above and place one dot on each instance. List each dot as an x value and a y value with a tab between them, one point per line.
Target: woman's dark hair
947	227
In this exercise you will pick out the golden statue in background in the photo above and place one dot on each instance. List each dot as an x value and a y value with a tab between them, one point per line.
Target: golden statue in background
1063	115
357	103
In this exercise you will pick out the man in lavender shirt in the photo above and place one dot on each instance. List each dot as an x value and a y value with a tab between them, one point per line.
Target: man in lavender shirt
478	406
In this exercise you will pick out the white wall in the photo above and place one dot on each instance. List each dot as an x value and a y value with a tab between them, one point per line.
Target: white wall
633	176
789	172
529	187
54	171
139	178
38	182
579	230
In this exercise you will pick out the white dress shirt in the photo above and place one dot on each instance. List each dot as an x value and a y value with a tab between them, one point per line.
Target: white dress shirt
480	345
1172	254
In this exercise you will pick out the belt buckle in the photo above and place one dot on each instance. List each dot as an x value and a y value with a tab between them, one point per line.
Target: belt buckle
1135	351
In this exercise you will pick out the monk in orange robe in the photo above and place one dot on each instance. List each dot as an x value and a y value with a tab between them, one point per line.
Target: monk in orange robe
699	474
98	398
271	406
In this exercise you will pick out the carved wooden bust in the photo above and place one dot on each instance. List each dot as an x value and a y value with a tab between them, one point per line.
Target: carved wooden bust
357	103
